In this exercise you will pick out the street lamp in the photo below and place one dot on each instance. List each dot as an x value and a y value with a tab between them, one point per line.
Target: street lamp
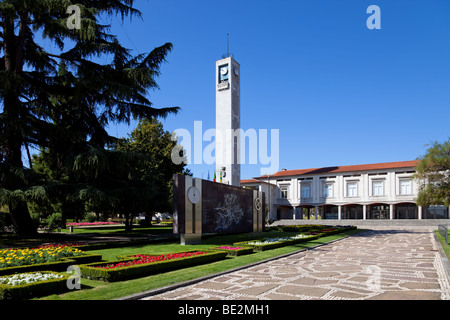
270	192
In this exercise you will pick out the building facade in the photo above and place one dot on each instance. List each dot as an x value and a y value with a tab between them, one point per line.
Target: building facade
372	191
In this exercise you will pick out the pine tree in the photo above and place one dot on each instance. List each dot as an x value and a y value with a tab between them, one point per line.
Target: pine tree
62	101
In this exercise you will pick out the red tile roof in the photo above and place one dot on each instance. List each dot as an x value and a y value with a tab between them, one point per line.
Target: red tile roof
250	181
339	169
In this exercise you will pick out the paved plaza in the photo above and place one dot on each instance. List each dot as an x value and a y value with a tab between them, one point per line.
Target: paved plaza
382	263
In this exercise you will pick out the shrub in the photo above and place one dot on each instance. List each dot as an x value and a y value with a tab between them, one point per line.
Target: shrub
60	265
272	243
90	217
54	221
54	283
5	221
36	219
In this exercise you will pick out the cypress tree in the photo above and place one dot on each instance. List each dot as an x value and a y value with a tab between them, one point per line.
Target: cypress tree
62	101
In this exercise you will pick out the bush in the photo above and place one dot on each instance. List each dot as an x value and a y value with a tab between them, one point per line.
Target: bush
6	223
90	217
36	219
54	221
34	289
95	272
272	243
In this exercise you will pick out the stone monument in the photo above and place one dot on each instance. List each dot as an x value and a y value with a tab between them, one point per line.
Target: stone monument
202	206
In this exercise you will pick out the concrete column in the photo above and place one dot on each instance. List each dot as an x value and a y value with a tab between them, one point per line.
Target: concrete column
316	211
294	184
364	211
419	212
339	212
391	211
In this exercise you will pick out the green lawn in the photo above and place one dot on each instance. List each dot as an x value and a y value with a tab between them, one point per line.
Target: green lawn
97	290
120	230
8	240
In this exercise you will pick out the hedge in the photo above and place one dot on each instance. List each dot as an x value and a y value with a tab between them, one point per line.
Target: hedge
318	229
35	289
91	271
273	245
311	228
60	265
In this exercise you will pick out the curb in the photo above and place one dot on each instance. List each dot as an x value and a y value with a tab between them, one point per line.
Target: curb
153	292
444	259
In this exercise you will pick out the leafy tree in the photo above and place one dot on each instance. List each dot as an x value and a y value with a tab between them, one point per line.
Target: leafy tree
62	101
150	139
433	174
117	185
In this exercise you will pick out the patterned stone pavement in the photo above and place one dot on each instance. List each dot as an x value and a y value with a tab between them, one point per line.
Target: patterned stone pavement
377	264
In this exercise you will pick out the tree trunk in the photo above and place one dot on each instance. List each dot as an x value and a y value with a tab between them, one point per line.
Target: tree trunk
128	222
12	128
22	221
148	220
13	159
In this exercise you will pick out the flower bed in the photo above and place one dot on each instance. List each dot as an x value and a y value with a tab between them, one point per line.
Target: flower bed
312	228
66	244
144	259
235	251
144	265
27	256
29	285
25	278
272	243
84	224
47	257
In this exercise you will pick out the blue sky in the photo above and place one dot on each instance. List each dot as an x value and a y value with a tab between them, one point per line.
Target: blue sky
339	93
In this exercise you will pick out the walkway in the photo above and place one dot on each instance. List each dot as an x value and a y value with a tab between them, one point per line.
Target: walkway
377	264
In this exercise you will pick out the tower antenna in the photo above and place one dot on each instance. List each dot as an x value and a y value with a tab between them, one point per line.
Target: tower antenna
228	54
228	44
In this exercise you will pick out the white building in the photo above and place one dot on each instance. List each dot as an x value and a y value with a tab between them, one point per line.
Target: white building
372	191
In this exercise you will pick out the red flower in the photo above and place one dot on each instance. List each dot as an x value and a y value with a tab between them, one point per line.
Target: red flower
144	259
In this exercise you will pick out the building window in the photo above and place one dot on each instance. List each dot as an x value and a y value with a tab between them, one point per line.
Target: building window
284	192
306	192
328	190
405	186
377	188
435	212
352	188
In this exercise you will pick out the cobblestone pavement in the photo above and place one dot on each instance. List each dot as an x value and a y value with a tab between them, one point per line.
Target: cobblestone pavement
376	264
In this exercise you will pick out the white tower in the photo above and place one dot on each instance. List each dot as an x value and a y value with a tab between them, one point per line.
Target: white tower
228	121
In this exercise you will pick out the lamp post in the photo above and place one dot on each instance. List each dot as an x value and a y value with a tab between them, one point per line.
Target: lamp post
270	192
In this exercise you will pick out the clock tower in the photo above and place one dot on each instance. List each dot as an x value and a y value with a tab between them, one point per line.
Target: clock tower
228	121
